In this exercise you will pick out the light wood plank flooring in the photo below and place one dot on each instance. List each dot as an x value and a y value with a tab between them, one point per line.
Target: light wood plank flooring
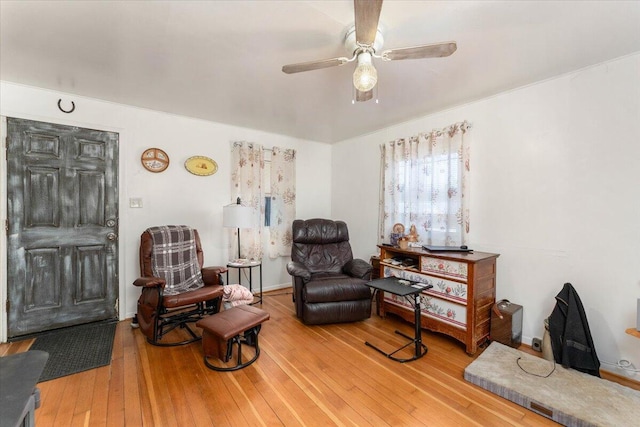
305	376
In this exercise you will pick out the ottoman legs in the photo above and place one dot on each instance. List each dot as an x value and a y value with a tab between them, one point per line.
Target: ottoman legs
250	338
239	325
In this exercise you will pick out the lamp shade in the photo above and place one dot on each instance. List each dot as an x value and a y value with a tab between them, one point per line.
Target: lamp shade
237	216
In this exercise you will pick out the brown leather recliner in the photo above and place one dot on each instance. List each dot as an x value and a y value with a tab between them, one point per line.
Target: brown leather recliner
160	312
329	285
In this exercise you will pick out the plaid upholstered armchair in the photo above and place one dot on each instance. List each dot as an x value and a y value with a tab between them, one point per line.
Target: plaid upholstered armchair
176	289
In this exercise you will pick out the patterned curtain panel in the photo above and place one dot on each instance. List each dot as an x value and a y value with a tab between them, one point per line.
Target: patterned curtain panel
246	182
283	201
424	183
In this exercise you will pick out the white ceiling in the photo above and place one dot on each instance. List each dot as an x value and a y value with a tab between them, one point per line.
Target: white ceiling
221	60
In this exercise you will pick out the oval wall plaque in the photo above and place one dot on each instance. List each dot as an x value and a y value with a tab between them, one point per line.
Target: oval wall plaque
201	165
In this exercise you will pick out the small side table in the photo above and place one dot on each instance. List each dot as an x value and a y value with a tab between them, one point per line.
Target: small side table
247	265
404	288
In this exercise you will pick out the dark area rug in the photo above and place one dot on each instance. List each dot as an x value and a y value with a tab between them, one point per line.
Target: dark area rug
76	349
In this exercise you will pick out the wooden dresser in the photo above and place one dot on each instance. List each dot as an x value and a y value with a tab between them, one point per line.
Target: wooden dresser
464	290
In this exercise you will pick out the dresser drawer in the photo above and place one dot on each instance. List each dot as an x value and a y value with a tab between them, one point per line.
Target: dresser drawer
443	267
445	311
442	310
441	287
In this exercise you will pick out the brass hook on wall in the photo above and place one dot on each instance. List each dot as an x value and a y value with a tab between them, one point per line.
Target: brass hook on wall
73	107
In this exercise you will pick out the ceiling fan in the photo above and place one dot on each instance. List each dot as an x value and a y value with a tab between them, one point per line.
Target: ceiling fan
363	41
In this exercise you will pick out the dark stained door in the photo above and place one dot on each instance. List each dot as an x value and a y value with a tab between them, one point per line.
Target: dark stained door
62	211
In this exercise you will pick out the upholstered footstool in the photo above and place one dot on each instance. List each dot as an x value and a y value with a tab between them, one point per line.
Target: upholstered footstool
237	325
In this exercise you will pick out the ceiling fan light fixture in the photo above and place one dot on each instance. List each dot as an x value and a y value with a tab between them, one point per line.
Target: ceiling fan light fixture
365	75
363	41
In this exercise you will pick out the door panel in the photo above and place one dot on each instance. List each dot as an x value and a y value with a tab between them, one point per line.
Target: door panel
43	267
91	271
42	201
62	204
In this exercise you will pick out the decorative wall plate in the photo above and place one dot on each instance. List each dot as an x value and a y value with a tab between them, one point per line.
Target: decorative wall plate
154	160
398	228
200	165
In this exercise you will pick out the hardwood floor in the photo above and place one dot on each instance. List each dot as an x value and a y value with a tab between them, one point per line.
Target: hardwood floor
306	375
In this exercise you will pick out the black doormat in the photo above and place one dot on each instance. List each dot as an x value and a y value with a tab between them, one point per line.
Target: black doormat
76	349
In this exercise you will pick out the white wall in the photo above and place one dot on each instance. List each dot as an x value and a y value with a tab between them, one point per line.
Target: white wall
555	190
174	196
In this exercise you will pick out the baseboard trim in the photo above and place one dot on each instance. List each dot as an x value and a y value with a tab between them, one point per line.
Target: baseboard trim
607	375
276	287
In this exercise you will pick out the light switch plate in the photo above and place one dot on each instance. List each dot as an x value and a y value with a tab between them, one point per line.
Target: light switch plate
135	202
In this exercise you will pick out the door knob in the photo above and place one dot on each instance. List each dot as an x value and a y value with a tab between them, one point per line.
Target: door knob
112	236
111	222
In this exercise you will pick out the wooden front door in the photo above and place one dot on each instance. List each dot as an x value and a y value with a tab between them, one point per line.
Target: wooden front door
62	215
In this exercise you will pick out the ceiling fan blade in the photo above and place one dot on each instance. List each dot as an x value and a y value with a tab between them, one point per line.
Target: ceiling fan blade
364	96
437	50
314	65
367	16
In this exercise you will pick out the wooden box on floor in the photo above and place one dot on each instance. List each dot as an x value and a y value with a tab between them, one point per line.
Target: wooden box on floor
506	323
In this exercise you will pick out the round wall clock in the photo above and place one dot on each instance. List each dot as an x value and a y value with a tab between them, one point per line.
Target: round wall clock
154	160
200	165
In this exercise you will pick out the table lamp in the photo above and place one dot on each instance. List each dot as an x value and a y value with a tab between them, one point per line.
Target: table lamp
237	216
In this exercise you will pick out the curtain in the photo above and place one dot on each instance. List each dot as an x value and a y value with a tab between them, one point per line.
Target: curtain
247	161
424	186
283	201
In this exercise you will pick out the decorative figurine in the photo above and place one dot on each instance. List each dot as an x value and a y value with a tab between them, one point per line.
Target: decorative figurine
413	233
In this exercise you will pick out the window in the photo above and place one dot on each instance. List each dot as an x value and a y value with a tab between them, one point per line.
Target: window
282	204
253	181
423	183
266	185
